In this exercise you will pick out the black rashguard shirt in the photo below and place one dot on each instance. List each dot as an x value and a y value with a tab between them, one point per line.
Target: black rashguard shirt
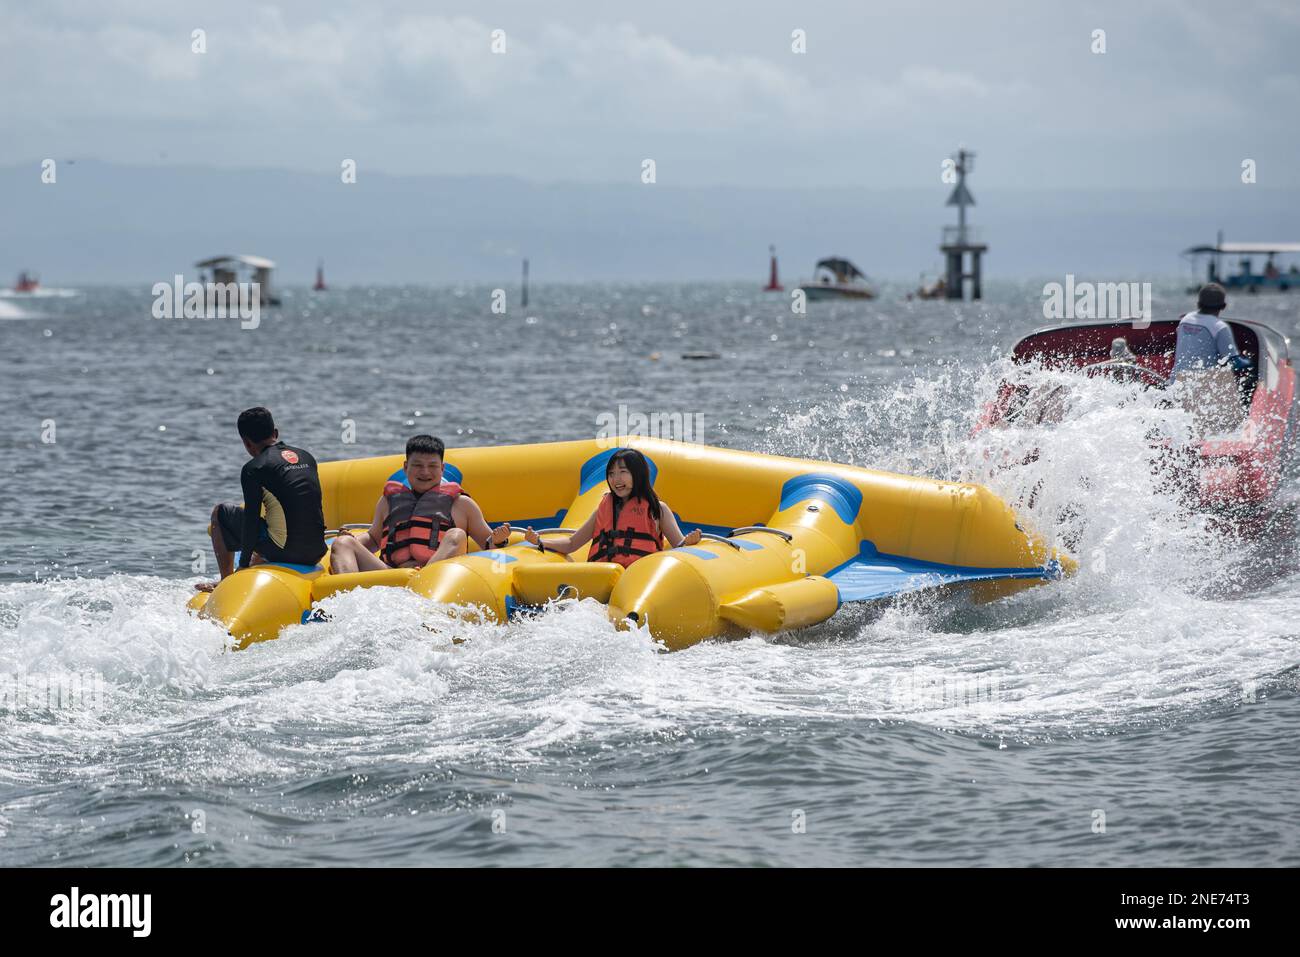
281	485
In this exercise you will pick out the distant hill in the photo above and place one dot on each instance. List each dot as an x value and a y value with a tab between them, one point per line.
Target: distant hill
104	222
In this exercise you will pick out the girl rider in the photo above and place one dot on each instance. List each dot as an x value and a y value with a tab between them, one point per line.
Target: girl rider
629	523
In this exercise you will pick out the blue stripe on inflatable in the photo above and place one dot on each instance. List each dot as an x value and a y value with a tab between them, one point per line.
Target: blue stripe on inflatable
842	496
872	576
300	569
546	521
593	470
494	555
685	526
692	550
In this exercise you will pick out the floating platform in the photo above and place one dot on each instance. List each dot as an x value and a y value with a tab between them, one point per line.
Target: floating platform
786	542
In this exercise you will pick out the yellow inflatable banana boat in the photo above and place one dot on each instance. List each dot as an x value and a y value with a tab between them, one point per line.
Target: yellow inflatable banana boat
786	541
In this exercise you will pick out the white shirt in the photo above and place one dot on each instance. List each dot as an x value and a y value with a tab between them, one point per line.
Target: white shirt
1203	340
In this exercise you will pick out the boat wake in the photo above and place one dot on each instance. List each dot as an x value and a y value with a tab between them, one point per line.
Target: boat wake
9	310
1153	626
41	293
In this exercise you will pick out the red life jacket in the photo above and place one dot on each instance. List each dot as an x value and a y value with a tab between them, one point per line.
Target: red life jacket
634	534
415	523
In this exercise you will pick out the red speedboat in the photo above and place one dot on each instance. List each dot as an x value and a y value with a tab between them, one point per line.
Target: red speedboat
1244	443
27	282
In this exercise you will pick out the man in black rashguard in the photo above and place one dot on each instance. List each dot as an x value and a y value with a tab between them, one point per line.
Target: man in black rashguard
281	519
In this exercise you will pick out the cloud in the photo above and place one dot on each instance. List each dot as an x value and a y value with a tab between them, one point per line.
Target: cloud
583	94
372	68
929	80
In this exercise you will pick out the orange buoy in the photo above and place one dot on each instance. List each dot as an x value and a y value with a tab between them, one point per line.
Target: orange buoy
773	284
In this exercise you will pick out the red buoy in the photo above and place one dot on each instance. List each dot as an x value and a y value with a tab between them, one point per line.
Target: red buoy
773	284
320	277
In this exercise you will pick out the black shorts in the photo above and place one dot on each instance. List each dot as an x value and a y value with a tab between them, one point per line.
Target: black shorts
230	520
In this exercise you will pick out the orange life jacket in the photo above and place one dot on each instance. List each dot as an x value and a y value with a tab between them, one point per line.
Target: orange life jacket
633	534
415	523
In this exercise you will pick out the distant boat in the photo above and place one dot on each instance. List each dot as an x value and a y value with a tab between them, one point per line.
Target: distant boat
934	290
773	284
320	278
228	269
27	282
837	278
1246	278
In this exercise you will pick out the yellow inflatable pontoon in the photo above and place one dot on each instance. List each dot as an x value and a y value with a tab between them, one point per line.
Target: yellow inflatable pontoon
786	541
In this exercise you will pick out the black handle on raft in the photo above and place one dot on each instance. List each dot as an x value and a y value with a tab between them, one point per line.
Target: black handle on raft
546	531
762	528
718	538
350	526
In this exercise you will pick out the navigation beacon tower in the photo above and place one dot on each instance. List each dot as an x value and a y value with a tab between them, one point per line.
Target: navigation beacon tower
960	239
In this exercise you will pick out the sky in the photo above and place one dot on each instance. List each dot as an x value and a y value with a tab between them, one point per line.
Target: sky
713	92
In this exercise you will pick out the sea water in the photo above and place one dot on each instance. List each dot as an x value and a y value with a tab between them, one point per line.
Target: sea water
1143	711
